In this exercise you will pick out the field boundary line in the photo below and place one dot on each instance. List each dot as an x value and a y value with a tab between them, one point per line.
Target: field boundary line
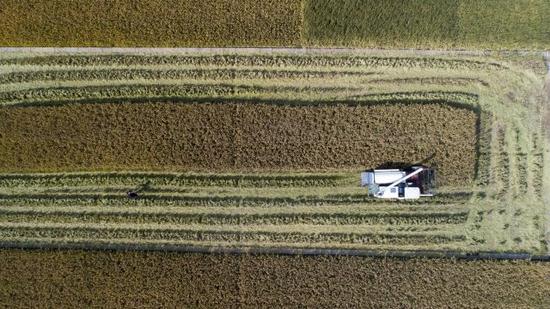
275	251
254	50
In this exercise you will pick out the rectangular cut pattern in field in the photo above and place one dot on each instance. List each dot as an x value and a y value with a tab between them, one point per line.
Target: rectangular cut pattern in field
266	113
292	210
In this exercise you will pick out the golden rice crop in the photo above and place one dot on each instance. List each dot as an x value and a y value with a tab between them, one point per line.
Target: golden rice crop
159	279
237	137
151	23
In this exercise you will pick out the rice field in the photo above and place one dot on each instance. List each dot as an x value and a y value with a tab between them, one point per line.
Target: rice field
264	150
150	23
117	164
494	24
161	279
229	137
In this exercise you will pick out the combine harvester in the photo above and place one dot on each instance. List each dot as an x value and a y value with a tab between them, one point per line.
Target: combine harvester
411	183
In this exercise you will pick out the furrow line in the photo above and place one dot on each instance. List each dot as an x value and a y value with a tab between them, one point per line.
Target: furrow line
225	236
392	219
254	60
212	201
537	166
83	74
143	90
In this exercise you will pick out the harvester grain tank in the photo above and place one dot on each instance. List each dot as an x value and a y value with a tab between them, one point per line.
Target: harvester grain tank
411	183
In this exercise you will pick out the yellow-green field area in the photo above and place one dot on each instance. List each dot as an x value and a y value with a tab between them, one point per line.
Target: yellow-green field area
496	24
264	150
157	279
155	23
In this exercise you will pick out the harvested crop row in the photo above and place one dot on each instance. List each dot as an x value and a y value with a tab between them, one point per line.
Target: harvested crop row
394	238
155	74
288	95
376	209
237	137
279	61
138	91
390	219
502	169
450	81
521	163
537	171
114	202
353	191
192	201
150	23
168	201
55	94
483	148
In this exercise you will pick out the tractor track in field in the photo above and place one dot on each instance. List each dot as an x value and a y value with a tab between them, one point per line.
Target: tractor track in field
546	121
403	254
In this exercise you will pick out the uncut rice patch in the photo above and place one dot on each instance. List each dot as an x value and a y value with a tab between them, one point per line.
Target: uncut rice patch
393	23
493	24
237	137
150	23
160	279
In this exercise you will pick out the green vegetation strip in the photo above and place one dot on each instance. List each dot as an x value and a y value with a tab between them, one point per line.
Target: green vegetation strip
497	24
380	22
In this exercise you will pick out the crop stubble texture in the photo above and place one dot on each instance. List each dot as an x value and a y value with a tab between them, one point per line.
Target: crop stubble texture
154	279
237	137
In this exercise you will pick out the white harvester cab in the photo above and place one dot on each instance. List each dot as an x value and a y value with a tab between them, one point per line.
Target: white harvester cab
411	183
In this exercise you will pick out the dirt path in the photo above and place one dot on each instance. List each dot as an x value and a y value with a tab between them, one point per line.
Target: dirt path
231	50
245	50
546	56
547	60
